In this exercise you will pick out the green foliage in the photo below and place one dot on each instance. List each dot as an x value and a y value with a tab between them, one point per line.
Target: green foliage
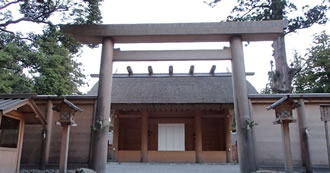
261	10
43	63
49	63
314	68
15	56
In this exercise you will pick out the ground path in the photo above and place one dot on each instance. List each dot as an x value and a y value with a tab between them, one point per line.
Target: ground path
171	168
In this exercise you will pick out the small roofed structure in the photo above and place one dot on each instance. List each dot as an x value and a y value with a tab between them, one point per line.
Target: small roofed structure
283	112
283	109
15	111
67	111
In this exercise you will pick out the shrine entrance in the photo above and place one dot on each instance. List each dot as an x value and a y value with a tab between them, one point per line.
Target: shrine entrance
233	32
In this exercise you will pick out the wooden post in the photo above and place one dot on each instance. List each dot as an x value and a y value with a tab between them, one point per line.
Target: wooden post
144	137
0	117
228	122
115	137
287	147
327	138
198	136
302	123
101	124
253	162
241	104
20	142
64	148
49	115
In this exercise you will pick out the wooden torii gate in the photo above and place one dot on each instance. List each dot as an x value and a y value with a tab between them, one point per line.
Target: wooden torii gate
233	32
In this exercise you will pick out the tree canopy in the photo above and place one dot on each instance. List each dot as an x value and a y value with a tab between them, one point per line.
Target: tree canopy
42	63
313	74
261	10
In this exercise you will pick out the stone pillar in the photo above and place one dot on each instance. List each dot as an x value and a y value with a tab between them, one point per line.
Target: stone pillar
144	136
49	115
241	105
101	123
198	136
228	121
303	133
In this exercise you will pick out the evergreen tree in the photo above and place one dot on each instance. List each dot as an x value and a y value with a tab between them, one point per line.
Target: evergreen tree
313	74
42	63
263	10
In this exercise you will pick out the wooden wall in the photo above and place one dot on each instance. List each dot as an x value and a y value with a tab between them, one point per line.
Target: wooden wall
268	136
213	130
213	134
80	137
129	133
32	142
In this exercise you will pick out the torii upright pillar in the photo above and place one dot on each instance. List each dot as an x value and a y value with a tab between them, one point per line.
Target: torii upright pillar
242	111
101	120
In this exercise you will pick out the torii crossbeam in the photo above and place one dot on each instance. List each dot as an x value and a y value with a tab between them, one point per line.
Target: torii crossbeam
233	32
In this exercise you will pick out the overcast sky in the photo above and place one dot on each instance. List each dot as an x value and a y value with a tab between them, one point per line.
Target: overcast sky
257	54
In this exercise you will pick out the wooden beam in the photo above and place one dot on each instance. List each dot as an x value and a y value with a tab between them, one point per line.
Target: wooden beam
129	70
64	148
150	70
191	70
287	147
1	116
38	113
229	121
177	32
173	55
100	136
115	137
213	69
20	143
326	128
170	70
143	75
303	134
241	105
198	134
129	116
46	148
144	137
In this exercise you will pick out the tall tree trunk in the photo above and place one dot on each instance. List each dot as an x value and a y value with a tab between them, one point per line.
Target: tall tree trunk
281	80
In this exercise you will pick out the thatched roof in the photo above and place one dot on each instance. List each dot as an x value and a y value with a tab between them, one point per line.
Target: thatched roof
187	89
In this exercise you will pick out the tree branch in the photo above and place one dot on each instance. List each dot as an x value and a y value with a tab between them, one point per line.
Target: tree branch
15	21
254	7
10	32
10	3
4	30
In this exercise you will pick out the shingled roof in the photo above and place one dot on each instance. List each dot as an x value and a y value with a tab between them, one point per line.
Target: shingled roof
24	104
189	89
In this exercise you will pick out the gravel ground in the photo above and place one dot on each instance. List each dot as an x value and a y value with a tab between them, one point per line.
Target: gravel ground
80	170
115	167
171	168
